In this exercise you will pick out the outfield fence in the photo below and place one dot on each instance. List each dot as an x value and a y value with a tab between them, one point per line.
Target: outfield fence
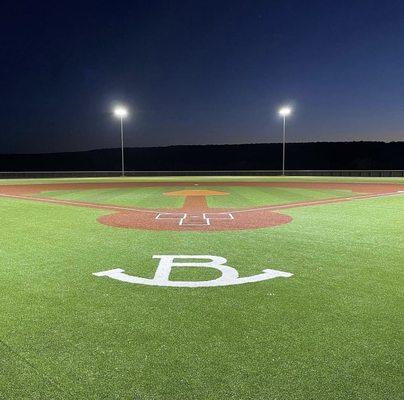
94	174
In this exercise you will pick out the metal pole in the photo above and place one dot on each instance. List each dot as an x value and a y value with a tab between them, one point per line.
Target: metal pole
122	152
283	147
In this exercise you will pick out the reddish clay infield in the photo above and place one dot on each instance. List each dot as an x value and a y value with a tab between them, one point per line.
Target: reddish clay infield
195	215
212	221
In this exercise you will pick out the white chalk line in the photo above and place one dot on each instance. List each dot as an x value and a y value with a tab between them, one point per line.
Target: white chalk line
143	210
76	203
205	216
319	202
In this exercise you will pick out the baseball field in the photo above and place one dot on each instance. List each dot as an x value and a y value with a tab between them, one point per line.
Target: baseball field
202	288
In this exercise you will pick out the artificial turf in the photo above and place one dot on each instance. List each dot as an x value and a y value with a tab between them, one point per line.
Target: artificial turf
238	196
332	331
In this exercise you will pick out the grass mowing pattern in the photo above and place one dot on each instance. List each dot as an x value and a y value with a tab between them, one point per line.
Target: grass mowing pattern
141	197
241	197
153	197
333	330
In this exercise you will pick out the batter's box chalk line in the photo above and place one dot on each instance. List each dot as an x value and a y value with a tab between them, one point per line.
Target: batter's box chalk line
195	219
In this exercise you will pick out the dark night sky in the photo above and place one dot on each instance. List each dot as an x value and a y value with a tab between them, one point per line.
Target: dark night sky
199	72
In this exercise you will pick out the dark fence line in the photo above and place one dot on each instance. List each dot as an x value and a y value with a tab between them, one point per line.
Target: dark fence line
94	174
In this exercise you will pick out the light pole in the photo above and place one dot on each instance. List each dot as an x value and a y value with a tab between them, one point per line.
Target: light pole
284	112
121	113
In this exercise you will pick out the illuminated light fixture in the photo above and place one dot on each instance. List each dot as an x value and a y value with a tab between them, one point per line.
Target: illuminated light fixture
284	112
121	112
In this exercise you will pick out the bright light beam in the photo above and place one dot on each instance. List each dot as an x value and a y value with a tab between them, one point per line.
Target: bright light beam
285	111
120	112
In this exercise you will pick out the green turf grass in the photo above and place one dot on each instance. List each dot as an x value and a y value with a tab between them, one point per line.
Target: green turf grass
142	197
208	178
332	331
238	197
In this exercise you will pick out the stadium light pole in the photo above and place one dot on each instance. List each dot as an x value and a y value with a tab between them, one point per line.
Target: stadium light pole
284	112
121	113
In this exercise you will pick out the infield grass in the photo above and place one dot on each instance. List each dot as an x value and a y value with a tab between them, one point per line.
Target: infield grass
238	196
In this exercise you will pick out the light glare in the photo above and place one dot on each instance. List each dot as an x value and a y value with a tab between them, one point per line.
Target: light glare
120	112
285	111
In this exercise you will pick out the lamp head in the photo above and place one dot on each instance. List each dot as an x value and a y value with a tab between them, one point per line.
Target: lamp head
285	111
120	112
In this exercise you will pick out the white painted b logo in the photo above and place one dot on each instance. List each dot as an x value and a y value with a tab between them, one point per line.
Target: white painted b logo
229	275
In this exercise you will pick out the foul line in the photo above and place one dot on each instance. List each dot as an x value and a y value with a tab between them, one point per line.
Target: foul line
320	202
76	203
232	211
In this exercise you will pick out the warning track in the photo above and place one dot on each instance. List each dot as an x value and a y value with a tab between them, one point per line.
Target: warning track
195	215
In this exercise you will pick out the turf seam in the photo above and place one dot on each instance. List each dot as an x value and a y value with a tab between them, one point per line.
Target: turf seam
44	376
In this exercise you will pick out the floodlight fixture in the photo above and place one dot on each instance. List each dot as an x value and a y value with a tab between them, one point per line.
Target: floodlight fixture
284	112
121	112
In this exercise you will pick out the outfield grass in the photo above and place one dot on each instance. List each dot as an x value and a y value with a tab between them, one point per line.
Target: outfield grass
207	178
332	331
